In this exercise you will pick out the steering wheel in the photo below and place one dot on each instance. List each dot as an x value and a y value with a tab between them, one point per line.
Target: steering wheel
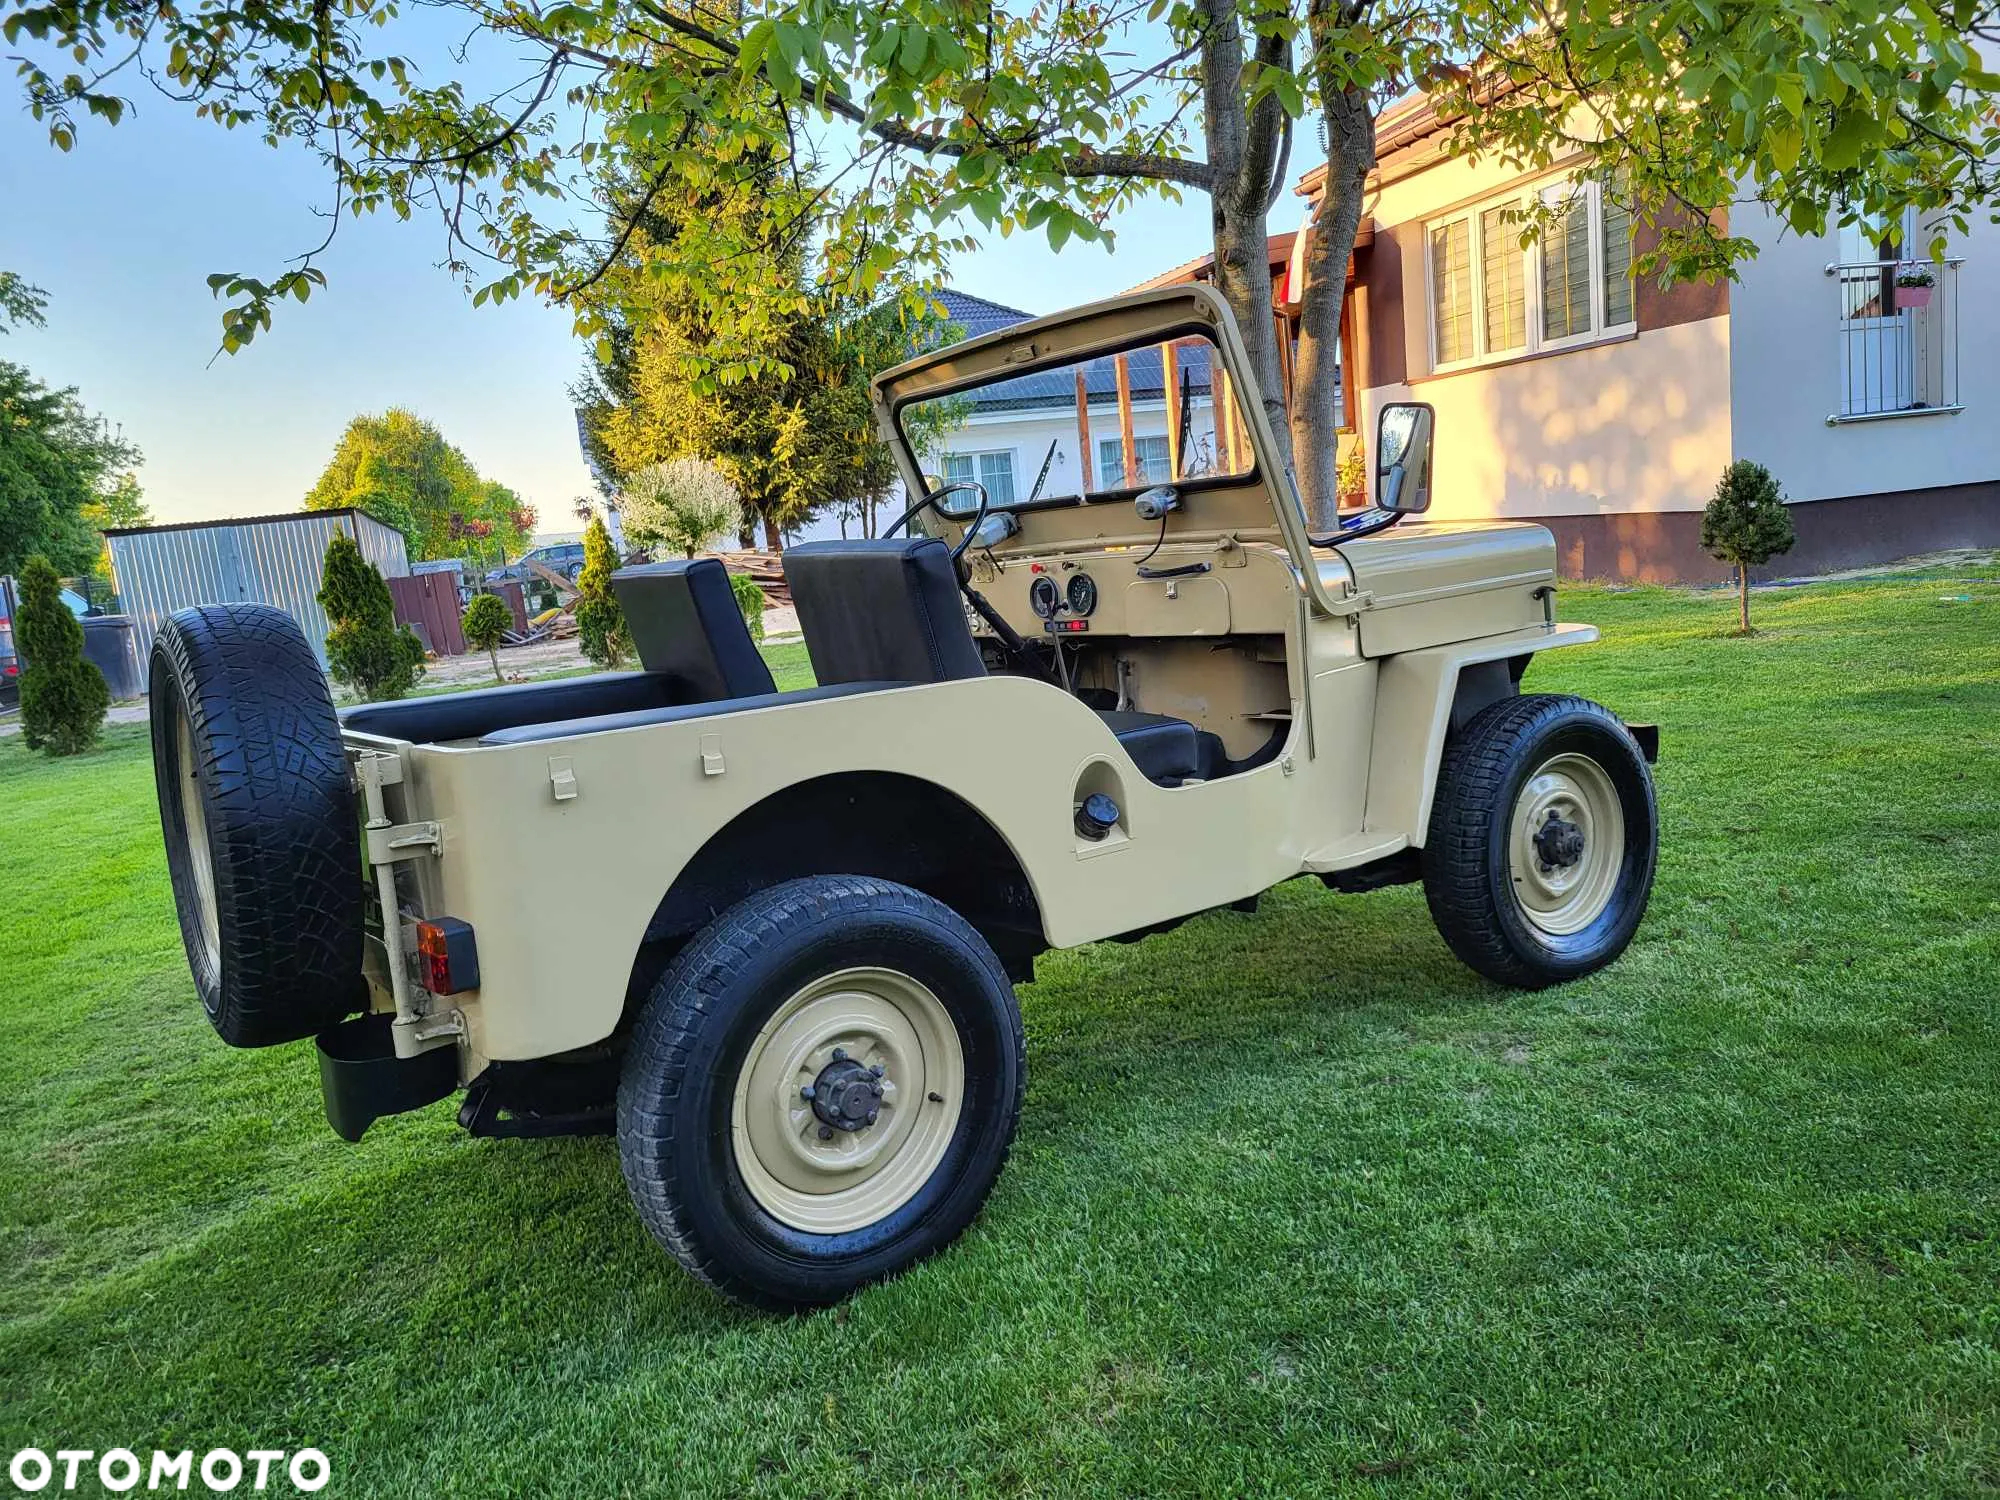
930	502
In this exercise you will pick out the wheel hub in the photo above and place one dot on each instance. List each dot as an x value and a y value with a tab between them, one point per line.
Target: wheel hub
845	1095
847	1099
1558	843
1565	843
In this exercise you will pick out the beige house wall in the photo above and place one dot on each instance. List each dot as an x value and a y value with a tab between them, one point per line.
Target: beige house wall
1633	423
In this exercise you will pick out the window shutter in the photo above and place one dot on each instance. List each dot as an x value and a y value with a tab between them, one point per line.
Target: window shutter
1566	274
1617	261
1506	282
1451	290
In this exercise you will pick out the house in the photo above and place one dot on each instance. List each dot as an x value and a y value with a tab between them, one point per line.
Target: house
1065	433
1573	393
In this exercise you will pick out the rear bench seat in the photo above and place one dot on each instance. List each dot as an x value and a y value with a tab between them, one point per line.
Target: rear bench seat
691	641
526	733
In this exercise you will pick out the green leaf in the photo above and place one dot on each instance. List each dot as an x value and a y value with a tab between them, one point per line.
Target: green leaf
1852	134
1785	142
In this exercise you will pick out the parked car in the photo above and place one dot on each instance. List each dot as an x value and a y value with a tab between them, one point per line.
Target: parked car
565	558
778	951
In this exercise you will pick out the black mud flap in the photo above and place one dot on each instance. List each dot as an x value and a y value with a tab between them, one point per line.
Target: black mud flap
1648	736
363	1080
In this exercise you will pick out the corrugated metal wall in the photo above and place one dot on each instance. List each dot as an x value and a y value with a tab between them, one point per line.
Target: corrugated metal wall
269	560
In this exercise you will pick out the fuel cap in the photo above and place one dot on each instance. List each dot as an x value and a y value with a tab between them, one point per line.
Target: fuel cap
1097	816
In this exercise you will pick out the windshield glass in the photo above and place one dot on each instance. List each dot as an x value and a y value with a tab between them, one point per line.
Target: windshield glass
1099	428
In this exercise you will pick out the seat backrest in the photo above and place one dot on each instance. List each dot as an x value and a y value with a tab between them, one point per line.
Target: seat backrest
685	624
881	611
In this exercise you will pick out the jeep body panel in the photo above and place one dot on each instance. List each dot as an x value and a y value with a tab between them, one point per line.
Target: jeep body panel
1327	669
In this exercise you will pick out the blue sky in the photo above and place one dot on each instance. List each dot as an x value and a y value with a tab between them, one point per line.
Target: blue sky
123	231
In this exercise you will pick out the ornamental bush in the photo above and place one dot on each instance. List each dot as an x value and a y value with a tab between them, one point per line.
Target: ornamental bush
600	622
487	618
366	649
63	696
683	503
1746	524
750	599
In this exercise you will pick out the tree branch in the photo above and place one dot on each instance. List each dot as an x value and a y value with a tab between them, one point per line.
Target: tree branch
1181	169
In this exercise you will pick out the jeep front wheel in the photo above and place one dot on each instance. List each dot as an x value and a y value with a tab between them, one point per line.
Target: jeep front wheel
1543	836
821	1090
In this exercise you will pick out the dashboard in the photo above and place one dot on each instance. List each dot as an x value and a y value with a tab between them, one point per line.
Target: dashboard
1199	589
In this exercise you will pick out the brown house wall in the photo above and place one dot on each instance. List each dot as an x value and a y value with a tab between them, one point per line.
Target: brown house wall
1857	531
1654	306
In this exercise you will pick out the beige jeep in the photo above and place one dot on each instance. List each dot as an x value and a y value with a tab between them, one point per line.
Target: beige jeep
771	938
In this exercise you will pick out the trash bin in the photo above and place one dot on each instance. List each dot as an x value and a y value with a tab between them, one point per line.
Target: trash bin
108	642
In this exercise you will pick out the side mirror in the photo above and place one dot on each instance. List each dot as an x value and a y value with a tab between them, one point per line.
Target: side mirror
1403	457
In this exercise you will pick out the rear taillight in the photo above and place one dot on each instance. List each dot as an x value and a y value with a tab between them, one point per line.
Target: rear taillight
450	959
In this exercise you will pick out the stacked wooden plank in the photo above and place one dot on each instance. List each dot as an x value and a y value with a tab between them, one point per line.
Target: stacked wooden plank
767	569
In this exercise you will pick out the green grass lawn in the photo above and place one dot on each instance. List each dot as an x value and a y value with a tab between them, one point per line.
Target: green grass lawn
1298	1206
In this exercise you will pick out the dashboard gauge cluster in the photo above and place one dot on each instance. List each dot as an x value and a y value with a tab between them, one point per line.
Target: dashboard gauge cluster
1050	599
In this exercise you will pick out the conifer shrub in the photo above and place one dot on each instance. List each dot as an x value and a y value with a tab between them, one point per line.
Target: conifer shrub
1746	524
63	696
600	622
366	649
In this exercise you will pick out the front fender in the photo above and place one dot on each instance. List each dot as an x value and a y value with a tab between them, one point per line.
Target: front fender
1414	693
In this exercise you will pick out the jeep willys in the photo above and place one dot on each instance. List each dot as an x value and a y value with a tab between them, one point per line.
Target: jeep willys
770	937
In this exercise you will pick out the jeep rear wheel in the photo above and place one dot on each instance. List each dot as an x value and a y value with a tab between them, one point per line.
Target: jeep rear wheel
1542	842
821	1091
263	841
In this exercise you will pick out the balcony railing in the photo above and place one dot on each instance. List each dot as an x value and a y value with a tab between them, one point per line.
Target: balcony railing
1898	340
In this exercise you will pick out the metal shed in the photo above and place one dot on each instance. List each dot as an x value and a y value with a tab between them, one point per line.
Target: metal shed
250	559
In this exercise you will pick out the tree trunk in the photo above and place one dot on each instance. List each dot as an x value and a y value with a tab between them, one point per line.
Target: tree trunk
493	655
746	530
1350	136
1241	185
774	538
1743	595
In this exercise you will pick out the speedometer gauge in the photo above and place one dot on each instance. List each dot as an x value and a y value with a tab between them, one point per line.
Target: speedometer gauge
1044	597
1082	594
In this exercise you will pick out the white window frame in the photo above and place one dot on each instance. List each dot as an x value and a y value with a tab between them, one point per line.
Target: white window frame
977	459
1592	193
1111	450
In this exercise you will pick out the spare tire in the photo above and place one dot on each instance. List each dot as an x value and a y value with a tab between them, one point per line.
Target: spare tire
263	842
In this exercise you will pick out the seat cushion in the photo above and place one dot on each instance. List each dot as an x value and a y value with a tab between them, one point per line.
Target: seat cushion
465	716
875	611
1166	751
564	728
685	623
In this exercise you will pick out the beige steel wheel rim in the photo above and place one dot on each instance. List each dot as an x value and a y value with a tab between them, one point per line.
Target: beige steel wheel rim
1563	897
194	827
876	1018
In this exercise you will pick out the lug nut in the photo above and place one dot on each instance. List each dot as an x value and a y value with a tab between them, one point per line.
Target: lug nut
826	1132
877	1070
840	1054
876	1091
806	1092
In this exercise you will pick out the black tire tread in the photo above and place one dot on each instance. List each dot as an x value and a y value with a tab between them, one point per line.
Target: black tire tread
282	825
684	1000
1457	881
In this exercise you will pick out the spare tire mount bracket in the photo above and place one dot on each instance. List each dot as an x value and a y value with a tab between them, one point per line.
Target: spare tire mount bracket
414	1031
